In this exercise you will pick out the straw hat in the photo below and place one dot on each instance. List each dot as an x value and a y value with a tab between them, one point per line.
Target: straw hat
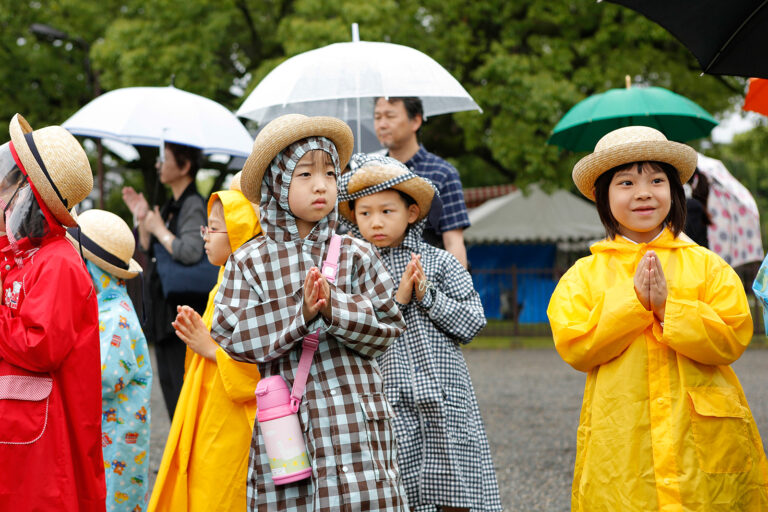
105	236
368	176
632	144
281	133
56	164
235	183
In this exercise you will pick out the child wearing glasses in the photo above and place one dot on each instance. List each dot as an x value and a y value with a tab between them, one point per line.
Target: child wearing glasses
205	462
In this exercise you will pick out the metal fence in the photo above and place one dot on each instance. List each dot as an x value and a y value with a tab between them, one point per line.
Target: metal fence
515	299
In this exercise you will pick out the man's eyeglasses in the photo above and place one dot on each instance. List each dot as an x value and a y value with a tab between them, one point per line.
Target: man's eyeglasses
204	230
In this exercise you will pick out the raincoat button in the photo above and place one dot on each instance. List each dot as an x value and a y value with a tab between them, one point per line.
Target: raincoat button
7	267
667	481
660	400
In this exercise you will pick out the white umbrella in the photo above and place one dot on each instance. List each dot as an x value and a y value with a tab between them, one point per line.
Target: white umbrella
149	116
342	79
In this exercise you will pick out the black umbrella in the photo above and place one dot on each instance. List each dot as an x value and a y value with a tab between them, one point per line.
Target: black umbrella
728	37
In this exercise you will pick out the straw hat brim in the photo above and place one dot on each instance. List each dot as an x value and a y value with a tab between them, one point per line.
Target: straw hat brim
281	133
53	140
368	176
111	234
588	169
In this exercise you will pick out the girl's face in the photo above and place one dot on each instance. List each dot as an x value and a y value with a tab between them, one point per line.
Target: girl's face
640	202
312	193
384	217
217	239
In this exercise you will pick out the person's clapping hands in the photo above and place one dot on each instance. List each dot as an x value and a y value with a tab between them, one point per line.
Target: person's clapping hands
651	284
317	296
135	202
413	282
192	331
153	221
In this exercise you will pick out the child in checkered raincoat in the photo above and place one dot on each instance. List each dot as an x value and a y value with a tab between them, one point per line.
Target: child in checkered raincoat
443	451
272	295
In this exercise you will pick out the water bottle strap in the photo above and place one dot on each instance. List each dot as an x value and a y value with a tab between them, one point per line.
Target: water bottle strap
312	340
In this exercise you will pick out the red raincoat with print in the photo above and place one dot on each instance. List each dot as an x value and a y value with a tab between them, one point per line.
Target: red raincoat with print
50	382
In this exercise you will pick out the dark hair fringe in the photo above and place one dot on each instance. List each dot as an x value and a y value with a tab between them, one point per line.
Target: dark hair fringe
408	200
183	154
675	219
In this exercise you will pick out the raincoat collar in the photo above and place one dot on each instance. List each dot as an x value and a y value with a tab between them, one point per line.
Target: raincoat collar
277	221
665	240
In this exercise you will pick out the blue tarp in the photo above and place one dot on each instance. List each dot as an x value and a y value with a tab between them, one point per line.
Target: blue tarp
533	288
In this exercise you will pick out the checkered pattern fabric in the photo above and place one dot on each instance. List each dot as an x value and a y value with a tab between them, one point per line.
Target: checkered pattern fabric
258	318
443	450
446	178
357	161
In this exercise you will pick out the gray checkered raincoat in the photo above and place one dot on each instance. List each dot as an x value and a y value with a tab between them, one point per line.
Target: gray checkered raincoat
443	449
345	415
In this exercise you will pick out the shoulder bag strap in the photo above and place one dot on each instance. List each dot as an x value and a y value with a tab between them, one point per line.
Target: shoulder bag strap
312	340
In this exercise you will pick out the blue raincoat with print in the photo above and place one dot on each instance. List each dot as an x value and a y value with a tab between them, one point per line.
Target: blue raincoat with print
126	381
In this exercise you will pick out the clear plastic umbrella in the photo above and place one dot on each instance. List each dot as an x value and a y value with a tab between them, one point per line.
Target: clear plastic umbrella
150	116
342	80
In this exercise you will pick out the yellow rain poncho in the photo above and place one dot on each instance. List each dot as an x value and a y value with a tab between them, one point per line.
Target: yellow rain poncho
664	424
205	462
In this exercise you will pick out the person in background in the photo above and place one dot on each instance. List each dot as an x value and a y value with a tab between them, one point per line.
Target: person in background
397	122
205	462
177	227
697	220
107	244
50	379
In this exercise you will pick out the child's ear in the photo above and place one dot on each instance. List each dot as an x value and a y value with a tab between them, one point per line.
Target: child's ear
413	213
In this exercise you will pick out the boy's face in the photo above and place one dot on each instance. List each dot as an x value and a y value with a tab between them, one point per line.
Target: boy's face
383	218
312	193
640	201
217	240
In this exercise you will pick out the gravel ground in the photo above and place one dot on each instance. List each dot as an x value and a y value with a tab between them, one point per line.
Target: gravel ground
530	401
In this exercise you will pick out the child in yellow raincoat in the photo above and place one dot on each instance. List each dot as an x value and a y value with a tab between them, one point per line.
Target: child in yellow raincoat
205	462
655	321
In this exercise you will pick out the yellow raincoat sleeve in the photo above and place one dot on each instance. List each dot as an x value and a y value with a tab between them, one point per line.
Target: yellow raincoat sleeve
711	326
593	323
239	379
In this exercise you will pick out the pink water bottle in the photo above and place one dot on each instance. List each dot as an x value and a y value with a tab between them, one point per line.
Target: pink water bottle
281	431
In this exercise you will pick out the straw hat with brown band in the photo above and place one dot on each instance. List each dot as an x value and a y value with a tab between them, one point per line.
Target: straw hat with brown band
376	176
57	165
107	241
632	144
281	133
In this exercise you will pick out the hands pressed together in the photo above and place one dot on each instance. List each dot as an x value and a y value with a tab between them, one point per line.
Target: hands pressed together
413	282
317	296
192	331
651	285
150	218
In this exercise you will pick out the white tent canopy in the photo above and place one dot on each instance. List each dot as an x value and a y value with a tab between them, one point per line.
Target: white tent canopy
536	218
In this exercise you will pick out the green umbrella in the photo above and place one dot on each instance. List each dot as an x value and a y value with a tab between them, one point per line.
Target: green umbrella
675	116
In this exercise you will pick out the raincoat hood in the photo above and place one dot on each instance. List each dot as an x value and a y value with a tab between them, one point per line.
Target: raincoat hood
239	215
277	221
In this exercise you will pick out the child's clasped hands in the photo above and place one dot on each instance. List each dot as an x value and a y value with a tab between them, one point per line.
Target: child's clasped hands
651	285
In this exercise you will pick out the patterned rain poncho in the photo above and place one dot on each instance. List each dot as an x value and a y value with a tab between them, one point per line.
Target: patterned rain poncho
443	450
126	381
345	415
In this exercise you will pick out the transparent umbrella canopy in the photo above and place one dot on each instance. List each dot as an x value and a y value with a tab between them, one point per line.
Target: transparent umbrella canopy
150	116
342	80
677	117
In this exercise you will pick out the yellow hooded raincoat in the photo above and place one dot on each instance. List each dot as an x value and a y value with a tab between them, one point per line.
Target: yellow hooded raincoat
664	424
205	462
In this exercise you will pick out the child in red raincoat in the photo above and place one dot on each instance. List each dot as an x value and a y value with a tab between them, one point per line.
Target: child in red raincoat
50	382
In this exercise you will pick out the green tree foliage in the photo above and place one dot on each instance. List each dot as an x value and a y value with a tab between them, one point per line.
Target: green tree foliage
525	62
